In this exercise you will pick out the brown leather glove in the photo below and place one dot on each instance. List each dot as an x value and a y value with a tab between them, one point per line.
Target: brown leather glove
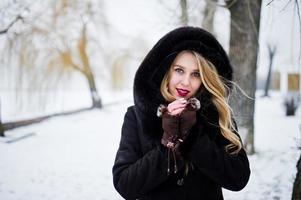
187	119
170	125
176	128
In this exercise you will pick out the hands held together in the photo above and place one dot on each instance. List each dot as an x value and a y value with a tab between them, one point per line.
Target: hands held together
177	119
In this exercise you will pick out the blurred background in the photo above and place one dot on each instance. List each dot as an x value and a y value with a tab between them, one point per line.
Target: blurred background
66	79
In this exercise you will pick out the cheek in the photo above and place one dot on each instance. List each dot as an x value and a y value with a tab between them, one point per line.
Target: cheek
173	82
196	85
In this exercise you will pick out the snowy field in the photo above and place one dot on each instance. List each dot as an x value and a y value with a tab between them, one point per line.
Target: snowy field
71	157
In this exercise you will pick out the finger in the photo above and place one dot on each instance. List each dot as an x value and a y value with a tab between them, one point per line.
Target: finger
179	101
177	111
175	107
176	104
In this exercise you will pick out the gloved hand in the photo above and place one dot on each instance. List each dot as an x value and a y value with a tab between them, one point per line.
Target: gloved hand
170	125
177	119
176	126
188	118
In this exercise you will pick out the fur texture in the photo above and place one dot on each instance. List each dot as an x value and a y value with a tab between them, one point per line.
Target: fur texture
147	95
192	104
153	68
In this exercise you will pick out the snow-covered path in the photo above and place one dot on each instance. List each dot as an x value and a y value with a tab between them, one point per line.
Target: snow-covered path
71	157
68	158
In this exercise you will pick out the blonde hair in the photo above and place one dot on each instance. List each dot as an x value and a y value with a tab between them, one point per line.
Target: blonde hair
213	83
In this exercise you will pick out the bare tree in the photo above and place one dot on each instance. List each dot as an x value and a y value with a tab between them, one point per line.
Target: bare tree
208	15
53	43
272	51
245	17
84	67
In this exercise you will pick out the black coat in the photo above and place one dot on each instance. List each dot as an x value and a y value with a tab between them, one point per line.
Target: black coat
140	168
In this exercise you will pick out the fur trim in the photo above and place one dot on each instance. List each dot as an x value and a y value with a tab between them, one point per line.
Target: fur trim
148	78
194	103
149	75
161	110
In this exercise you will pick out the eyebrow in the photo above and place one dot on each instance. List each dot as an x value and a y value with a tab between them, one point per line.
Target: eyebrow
177	65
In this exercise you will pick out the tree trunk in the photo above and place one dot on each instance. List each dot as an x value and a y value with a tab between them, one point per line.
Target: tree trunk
209	13
87	71
297	184
1	125
1	130
245	17
184	13
268	81
96	101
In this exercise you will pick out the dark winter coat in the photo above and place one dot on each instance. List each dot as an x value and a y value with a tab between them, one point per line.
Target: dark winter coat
140	168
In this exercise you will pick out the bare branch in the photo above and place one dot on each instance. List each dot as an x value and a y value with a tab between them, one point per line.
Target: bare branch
272	49
4	31
17	18
286	5
215	3
174	12
270	2
77	67
230	3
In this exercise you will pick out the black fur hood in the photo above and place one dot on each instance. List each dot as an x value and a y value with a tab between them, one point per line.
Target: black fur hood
147	95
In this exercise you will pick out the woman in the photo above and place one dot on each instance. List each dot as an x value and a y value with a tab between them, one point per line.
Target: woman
179	140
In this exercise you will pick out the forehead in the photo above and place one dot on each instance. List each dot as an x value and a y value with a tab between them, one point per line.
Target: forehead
186	60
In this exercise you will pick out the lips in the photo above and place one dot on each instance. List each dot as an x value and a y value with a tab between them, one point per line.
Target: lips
182	92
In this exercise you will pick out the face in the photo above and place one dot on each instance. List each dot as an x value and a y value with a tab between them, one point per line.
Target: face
185	76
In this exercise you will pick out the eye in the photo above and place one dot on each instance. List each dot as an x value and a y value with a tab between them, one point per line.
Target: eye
196	74
179	70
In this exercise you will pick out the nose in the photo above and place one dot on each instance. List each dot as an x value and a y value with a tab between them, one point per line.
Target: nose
185	81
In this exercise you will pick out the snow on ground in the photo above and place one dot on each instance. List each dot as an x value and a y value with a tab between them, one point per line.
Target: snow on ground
277	139
71	157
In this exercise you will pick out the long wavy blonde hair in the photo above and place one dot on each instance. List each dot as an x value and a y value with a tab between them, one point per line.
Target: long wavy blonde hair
213	83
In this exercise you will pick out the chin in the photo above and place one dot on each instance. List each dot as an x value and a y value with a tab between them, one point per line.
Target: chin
180	97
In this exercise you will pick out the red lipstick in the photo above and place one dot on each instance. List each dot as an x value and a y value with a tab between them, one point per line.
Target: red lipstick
182	92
